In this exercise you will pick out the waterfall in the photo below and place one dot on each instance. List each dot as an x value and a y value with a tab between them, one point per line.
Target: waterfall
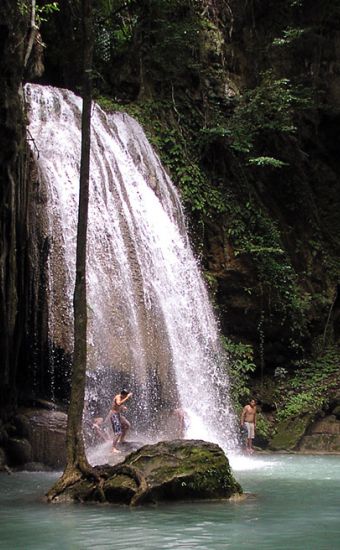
151	327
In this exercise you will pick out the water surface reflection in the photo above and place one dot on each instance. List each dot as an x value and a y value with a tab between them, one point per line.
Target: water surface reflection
295	504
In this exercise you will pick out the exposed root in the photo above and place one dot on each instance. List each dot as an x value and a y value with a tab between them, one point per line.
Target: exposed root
139	478
75	474
71	476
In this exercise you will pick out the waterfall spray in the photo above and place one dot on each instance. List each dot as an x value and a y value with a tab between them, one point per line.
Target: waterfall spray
151	326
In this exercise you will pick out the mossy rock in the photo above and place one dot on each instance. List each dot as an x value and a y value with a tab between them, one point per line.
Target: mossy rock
186	469
169	470
289	433
120	489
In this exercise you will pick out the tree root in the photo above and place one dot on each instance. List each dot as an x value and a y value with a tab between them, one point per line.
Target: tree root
72	475
143	487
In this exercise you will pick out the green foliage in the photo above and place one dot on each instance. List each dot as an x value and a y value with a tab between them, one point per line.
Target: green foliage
165	38
266	161
308	390
241	366
177	150
300	403
263	427
170	37
46	9
269	107
253	233
115	23
42	11
178	46
289	35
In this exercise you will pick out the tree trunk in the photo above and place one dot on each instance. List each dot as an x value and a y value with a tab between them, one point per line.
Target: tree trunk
77	464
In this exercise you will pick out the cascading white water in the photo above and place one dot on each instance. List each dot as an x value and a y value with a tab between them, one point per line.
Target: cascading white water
151	326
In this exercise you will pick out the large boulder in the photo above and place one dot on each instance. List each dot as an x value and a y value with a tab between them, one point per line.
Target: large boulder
169	470
18	450
47	436
323	436
289	433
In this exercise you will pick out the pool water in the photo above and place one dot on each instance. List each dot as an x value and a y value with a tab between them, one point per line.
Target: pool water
294	504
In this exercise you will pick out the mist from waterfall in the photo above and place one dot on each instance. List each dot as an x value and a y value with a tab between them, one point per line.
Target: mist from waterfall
151	327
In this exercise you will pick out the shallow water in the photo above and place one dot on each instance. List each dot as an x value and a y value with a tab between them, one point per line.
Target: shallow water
295	505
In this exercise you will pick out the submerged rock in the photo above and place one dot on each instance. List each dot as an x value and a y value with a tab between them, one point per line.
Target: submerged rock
169	470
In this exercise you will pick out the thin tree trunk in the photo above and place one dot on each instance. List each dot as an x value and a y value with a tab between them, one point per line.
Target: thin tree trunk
77	464
33	32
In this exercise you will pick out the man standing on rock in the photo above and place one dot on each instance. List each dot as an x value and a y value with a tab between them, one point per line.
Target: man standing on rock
120	425
248	419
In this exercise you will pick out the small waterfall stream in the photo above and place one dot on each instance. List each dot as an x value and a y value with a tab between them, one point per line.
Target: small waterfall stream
151	327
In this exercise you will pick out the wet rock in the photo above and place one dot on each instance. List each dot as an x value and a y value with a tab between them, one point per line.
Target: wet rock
19	450
169	470
22	425
323	436
289	433
47	435
43	404
180	469
320	443
11	430
3	460
36	467
327	425
3	435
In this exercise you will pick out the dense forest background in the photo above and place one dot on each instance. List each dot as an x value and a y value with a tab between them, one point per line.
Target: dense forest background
241	99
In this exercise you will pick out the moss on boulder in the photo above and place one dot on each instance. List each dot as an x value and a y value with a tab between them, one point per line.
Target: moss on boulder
289	433
169	470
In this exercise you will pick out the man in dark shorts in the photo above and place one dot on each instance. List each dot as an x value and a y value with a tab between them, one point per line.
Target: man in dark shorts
120	425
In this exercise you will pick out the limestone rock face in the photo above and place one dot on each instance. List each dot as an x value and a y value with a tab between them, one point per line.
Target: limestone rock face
289	433
169	470
47	436
323	436
327	425
301	434
19	450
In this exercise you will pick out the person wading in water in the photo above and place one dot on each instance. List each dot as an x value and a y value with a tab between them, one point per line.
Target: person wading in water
120	425
248	419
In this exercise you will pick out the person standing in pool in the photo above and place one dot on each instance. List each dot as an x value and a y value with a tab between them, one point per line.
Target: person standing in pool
120	425
248	419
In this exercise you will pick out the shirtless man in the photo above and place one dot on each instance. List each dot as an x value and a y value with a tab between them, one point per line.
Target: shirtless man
119	423
248	419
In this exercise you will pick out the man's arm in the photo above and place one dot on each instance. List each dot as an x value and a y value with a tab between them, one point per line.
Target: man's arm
242	415
120	400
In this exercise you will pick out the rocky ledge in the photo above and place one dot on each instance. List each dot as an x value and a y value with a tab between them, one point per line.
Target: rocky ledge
169	470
